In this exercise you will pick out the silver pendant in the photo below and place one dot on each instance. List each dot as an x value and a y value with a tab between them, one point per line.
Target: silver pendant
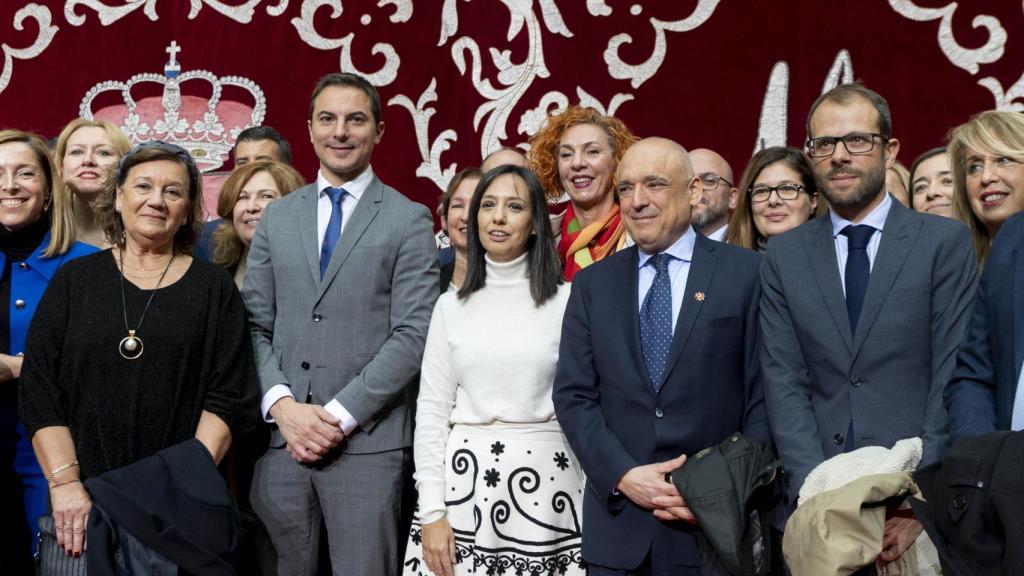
130	346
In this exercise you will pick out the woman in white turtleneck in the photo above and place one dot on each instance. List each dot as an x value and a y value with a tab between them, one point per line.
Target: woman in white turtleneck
498	485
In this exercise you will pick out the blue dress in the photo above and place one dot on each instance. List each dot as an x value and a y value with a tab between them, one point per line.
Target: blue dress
28	281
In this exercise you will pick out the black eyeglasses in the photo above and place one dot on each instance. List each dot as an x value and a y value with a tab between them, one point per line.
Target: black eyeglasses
785	192
855	143
710	181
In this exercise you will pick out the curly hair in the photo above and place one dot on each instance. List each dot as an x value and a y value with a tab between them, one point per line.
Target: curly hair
543	155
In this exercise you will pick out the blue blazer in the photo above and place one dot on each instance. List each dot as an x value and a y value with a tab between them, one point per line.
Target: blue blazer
885	380
28	282
979	398
711	388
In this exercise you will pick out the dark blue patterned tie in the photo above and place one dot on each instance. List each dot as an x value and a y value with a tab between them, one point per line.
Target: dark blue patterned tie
656	322
858	269
333	228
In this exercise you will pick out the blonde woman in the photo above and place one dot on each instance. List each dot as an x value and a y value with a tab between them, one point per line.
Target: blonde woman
987	157
86	152
37	236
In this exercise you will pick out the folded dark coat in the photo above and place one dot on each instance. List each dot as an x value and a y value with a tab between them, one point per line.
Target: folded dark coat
729	489
172	507
974	505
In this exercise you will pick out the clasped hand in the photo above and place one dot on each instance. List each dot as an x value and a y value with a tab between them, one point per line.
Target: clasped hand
309	429
648	486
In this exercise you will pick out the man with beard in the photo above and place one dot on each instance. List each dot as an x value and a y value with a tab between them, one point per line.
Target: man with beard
718	195
862	310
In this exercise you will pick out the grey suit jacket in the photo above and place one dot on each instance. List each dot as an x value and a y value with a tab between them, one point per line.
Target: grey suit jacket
358	335
888	377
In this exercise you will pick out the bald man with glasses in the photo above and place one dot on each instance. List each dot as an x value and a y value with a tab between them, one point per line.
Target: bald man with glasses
718	194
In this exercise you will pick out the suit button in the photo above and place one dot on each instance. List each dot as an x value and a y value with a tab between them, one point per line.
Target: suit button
658	413
959	502
305	365
23	265
838	439
317	317
19	304
855	381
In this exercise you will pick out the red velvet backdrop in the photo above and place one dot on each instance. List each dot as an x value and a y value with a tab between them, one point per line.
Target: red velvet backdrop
723	75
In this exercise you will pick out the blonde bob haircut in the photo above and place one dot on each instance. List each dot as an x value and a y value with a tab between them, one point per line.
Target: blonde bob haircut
117	139
226	246
995	133
57	204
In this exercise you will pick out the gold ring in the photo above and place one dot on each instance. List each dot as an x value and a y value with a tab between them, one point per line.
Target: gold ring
67	523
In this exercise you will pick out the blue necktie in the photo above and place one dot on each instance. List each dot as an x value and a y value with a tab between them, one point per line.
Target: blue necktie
333	228
858	269
656	322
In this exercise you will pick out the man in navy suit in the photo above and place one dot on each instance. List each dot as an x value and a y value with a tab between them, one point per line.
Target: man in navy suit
862	309
658	361
985	393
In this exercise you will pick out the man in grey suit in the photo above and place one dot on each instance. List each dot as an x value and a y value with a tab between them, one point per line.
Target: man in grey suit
341	282
862	309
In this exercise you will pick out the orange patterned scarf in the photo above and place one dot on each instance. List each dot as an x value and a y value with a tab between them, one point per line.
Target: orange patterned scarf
580	247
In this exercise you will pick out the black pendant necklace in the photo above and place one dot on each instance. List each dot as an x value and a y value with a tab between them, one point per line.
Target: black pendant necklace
131	345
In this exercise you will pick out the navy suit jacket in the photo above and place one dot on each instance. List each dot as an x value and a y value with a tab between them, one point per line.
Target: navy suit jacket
980	395
613	422
885	381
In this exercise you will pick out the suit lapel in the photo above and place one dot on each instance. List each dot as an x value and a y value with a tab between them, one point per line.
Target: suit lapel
308	229
1017	293
629	315
365	211
821	249
897	239
702	267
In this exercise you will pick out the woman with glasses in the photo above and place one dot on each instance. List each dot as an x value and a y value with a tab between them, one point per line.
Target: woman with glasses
779	194
931	183
987	157
575	156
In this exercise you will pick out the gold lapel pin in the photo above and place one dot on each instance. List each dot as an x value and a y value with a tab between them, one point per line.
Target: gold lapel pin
699	296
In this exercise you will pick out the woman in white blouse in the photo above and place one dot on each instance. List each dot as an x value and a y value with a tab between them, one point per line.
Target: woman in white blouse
499	489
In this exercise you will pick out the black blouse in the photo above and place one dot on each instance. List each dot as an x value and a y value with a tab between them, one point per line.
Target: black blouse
197	356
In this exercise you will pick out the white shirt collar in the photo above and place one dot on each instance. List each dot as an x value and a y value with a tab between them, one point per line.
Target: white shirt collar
682	249
354	187
876	219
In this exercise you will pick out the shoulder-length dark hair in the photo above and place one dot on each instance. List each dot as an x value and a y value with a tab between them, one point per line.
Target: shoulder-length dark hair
543	267
742	231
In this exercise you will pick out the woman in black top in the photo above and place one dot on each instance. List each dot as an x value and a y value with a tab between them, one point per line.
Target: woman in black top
139	347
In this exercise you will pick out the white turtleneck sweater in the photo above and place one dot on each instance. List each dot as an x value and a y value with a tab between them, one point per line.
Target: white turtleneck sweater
490	358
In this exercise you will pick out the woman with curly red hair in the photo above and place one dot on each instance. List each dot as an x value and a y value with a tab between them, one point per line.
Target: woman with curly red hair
575	156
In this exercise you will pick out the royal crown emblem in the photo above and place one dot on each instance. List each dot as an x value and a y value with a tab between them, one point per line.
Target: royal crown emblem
206	126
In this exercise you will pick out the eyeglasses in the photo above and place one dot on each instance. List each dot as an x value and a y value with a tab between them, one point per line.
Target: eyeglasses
785	192
710	181
855	143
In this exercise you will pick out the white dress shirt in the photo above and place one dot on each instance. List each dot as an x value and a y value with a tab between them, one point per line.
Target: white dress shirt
719	235
876	219
354	191
681	253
